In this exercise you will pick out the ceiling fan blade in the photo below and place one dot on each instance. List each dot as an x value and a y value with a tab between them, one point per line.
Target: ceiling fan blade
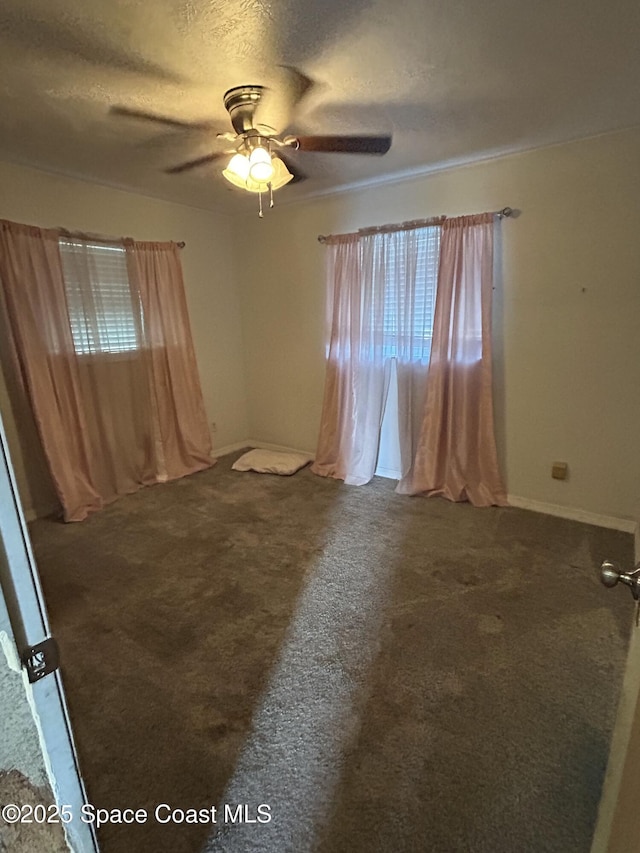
298	174
172	122
200	161
345	144
278	101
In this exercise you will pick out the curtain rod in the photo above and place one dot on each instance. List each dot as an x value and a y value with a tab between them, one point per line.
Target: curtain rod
413	223
99	238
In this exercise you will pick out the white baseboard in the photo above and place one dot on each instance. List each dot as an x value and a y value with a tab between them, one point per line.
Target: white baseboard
627	525
230	448
263	445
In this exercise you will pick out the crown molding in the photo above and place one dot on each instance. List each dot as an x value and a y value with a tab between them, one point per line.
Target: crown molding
415	173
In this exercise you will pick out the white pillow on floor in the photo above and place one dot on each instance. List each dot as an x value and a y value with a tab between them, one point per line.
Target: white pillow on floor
272	462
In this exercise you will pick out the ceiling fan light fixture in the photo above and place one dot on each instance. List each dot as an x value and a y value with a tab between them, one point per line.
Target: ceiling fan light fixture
260	166
281	176
257	171
237	172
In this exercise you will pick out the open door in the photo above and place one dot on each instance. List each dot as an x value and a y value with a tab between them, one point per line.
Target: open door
618	825
27	614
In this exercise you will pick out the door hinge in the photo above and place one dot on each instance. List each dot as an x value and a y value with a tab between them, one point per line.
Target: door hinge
41	659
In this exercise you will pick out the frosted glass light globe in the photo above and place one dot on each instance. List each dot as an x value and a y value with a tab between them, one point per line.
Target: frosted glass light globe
260	166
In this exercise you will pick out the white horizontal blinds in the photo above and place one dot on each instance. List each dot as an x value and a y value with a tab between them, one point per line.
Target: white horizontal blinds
404	279
426	283
103	312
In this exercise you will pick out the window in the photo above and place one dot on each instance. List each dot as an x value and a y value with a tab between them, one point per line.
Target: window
105	315
397	291
410	283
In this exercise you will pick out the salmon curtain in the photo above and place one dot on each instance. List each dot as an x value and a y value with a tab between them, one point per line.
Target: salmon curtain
106	414
456	456
341	390
181	430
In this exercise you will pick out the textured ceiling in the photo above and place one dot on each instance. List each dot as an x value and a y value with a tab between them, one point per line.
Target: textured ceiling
452	81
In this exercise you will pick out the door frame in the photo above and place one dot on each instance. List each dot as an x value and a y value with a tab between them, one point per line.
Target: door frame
25	604
617	827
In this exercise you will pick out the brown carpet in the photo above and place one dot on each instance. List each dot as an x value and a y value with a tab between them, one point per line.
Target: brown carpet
385	673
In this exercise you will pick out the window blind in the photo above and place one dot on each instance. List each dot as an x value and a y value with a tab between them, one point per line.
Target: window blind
410	293
104	313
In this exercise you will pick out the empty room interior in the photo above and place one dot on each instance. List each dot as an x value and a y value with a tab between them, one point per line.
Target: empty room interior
320	388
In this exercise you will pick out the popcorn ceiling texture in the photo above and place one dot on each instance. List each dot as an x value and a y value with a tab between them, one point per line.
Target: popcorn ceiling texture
389	674
452	82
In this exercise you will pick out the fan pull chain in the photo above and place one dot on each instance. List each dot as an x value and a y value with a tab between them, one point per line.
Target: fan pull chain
270	194
260	213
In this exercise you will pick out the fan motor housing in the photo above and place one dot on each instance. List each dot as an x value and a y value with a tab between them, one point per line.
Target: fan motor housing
241	102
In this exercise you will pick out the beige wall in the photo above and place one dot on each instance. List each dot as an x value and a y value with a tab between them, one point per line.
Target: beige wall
567	312
39	198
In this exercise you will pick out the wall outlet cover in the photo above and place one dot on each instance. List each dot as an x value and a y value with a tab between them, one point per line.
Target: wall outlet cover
559	470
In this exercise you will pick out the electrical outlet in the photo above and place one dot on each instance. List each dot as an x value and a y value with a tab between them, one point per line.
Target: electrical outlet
559	470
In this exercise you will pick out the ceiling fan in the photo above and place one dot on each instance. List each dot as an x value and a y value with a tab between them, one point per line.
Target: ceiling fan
260	146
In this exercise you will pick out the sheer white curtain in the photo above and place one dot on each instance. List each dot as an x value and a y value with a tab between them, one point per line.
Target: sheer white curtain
382	291
412	279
